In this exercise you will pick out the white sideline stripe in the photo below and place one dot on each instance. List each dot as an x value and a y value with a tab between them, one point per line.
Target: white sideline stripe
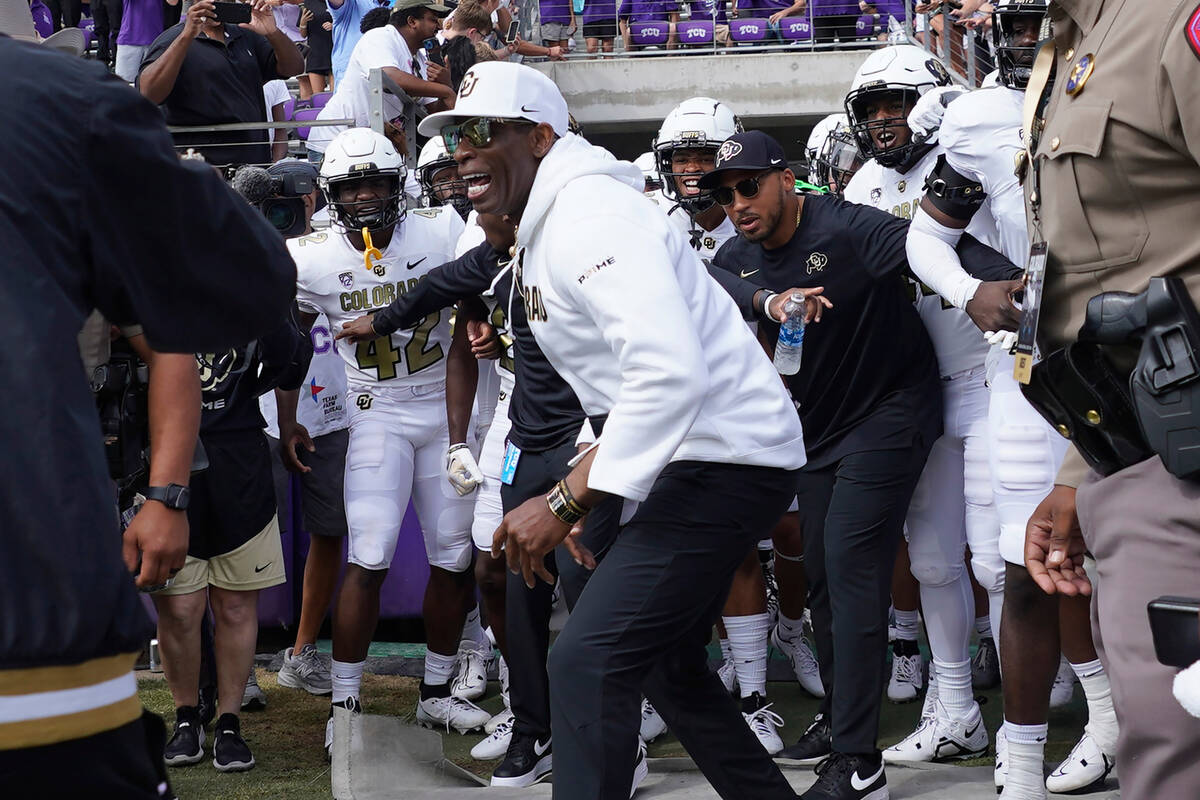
41	705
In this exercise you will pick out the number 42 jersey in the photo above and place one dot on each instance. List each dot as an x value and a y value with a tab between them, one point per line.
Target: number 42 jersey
332	277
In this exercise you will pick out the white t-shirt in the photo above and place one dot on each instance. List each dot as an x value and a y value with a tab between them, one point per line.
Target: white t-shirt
274	93
331	277
378	48
322	406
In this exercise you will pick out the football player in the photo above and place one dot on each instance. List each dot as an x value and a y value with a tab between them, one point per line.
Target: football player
816	141
437	175
981	136
398	414
836	161
951	506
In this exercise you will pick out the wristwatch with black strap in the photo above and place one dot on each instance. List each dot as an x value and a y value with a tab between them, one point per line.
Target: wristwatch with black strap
172	495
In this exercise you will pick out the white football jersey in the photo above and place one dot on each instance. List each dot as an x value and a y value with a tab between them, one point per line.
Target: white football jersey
706	243
322	406
956	339
981	136
332	277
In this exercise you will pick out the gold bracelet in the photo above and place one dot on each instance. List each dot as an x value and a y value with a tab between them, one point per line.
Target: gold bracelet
563	504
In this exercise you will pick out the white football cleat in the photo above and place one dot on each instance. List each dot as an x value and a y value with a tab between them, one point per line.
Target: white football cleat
451	712
908	672
652	725
804	663
470	682
1064	686
939	738
728	675
496	743
494	722
762	724
1000	773
1087	766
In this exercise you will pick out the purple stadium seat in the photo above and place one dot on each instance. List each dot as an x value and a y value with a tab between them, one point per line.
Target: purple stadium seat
289	108
43	23
305	115
795	29
748	31
695	32
87	24
650	34
867	26
320	99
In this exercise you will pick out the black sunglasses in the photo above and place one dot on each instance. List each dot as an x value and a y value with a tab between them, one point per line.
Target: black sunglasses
747	188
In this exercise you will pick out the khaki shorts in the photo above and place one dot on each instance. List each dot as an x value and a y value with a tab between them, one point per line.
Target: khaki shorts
257	564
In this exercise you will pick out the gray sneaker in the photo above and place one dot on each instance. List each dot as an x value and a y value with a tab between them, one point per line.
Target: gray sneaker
305	670
253	697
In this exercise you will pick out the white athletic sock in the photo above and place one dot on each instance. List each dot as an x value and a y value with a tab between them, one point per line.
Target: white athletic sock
790	628
1102	717
473	631
983	626
995	612
726	652
906	625
346	677
1026	752
438	668
954	687
748	647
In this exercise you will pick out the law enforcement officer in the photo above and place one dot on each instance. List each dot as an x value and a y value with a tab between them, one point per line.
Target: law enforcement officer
1112	192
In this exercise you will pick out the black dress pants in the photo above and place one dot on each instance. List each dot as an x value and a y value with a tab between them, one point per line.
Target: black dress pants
641	626
527	611
65	13
107	16
852	516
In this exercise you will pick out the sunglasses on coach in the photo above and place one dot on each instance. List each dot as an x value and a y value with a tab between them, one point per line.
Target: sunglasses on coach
477	131
747	188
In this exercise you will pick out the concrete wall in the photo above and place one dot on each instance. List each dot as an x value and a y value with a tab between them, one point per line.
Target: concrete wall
606	95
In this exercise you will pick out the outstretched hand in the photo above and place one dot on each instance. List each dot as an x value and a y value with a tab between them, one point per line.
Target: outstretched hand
1054	547
814	304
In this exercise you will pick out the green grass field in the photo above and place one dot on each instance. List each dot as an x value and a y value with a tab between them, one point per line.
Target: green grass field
287	738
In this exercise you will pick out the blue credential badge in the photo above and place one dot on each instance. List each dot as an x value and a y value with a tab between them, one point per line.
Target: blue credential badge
512	455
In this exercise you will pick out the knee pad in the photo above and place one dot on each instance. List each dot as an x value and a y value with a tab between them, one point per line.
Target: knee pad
930	574
989	570
374	523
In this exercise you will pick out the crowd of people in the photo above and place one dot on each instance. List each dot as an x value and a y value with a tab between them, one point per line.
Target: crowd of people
562	362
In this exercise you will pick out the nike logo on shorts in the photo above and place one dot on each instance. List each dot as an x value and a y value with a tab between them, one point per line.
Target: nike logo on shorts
264	566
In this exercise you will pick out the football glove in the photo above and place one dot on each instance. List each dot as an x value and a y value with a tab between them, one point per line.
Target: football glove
462	470
926	116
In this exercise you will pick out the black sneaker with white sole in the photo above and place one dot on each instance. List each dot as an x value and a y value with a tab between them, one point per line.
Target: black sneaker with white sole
230	751
527	761
849	777
186	746
814	745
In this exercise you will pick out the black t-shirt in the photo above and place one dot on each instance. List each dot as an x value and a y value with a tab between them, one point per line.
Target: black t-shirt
218	83
150	238
868	375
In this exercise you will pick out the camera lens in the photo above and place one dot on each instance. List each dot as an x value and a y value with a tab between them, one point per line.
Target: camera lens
281	215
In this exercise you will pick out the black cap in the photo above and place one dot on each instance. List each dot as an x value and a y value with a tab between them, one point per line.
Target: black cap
751	150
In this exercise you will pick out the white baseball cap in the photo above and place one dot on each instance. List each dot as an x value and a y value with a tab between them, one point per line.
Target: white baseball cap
503	90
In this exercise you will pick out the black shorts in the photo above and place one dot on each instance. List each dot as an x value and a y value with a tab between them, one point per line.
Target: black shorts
322	503
600	30
234	498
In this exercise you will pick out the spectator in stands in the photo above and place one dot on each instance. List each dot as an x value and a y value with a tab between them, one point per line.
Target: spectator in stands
275	97
140	23
64	13
287	19
713	10
317	26
199	78
631	12
375	18
558	22
600	25
835	19
396	49
106	24
347	15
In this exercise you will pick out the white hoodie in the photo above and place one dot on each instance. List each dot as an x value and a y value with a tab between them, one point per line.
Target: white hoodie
627	314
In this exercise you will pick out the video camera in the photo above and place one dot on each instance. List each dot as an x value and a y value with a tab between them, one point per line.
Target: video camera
280	197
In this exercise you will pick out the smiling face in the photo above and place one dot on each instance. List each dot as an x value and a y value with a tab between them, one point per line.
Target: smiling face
688	165
365	196
887	115
757	218
500	173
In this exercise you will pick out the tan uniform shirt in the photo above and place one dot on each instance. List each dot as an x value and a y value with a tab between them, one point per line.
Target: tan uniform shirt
1120	182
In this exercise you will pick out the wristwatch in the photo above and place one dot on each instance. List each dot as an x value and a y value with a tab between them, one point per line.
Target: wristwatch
172	495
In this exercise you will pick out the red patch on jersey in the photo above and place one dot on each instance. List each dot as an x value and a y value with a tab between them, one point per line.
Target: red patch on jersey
1192	31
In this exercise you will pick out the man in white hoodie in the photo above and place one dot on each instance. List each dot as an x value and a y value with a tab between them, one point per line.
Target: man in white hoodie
696	427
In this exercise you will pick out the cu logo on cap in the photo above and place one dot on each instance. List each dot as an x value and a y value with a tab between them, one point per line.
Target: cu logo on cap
728	151
468	84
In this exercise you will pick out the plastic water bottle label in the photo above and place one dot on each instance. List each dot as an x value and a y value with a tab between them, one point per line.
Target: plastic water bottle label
791	335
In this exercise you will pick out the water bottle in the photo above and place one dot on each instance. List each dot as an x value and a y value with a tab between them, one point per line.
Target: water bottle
791	337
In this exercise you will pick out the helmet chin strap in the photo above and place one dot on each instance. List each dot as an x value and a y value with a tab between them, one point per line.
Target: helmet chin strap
370	251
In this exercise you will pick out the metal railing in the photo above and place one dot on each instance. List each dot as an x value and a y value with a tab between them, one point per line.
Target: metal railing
962	51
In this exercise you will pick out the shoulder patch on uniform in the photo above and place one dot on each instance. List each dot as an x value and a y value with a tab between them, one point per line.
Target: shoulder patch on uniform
1192	31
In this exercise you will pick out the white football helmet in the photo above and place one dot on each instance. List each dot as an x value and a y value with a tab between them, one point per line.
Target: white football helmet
902	68
451	191
649	167
817	137
699	123
353	155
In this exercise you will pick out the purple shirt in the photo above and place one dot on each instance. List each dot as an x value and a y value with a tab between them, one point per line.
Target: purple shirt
826	8
703	10
885	8
141	22
647	10
600	11
555	11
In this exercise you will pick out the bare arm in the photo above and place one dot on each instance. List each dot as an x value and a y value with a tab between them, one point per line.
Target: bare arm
418	87
279	147
291	432
158	79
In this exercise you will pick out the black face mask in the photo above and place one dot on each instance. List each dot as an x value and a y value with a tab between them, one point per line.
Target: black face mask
390	208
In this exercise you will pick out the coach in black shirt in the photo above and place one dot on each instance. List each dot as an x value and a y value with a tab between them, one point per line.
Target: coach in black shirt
870	401
203	72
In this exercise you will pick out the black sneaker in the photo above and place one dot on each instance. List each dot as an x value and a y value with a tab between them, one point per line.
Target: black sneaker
985	666
187	744
849	777
527	761
814	745
230	751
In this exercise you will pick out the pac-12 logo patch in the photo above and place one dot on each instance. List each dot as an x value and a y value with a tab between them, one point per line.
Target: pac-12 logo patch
728	151
1192	31
347	279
